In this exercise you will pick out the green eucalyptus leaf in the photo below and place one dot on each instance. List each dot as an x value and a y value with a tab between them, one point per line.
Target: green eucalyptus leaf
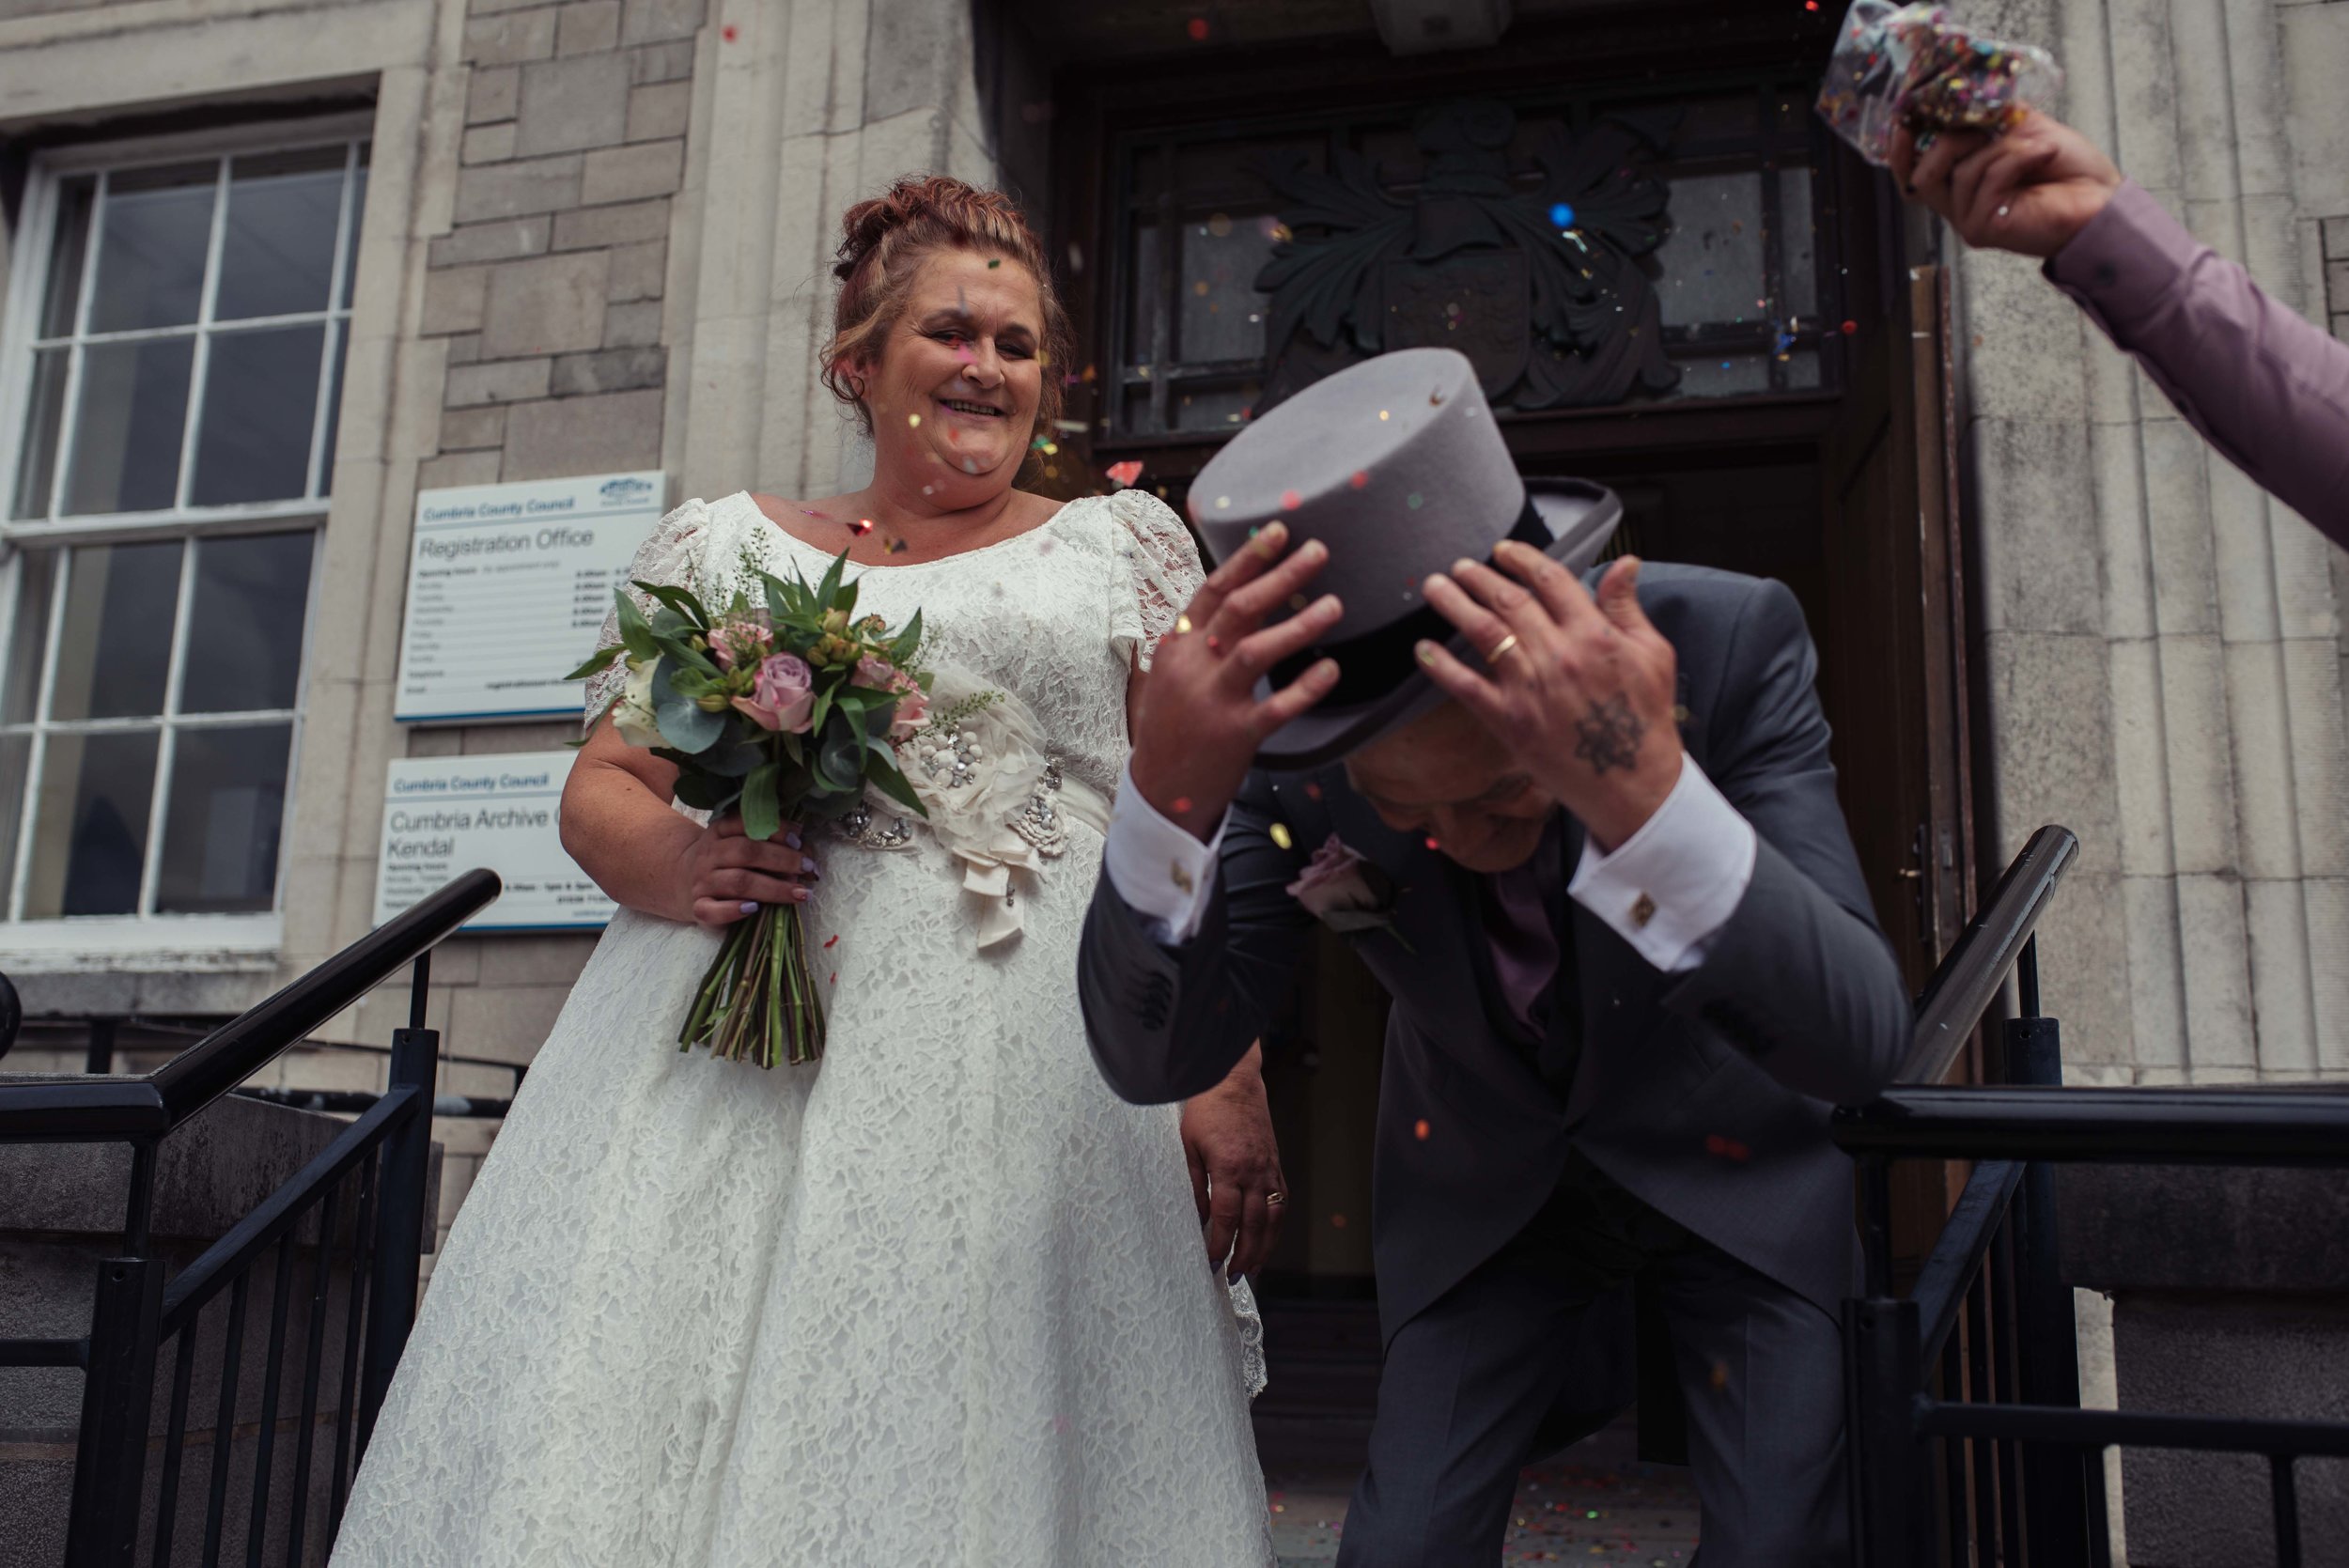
680	603
893	784
840	756
595	665
681	723
762	812
634	633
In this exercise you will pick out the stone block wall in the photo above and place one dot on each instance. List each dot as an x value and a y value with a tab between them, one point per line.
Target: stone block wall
2161	641
549	285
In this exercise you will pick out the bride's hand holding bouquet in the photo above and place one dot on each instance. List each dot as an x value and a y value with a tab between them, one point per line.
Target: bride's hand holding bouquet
777	712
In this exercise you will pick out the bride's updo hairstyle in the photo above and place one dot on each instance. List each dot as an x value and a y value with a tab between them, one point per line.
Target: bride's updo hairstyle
883	246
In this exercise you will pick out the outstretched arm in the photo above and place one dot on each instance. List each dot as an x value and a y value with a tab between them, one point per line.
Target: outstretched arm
2265	387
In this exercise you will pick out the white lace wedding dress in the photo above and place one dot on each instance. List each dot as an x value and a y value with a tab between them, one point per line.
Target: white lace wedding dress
940	1299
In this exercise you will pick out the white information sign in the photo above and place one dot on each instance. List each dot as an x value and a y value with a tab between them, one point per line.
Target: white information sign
445	815
508	585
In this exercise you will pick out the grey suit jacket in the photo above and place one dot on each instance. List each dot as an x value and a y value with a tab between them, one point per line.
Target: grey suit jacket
1706	1093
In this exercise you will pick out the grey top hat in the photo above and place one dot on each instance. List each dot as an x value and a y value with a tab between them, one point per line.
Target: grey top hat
1397	466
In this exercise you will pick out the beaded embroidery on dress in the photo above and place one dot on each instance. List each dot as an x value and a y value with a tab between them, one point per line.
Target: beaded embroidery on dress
939	1299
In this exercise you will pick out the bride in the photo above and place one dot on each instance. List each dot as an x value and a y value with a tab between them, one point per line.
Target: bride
940	1299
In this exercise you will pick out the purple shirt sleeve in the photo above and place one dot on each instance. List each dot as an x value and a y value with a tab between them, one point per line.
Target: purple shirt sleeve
2263	385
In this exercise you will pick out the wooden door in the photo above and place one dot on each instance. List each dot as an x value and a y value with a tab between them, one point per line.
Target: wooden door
1892	646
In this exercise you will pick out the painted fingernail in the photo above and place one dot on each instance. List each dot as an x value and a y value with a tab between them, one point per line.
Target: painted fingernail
814	873
748	908
1463	564
1326	670
1426	652
791	840
800	896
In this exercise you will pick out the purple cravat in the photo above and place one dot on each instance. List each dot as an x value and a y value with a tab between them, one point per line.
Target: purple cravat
1519	923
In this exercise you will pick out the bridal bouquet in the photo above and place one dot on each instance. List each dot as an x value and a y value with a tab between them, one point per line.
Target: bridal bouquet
784	709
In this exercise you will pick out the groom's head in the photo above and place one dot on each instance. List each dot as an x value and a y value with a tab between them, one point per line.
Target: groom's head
1446	777
1397	467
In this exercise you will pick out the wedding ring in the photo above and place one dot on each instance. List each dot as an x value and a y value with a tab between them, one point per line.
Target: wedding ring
1274	1200
1501	648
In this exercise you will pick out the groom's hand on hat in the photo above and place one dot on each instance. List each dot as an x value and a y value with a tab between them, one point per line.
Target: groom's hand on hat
1200	721
1582	696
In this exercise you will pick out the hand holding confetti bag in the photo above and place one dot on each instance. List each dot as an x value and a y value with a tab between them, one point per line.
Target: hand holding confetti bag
784	710
1912	65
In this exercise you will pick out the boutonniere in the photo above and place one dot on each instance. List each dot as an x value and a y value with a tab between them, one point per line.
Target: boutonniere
1345	891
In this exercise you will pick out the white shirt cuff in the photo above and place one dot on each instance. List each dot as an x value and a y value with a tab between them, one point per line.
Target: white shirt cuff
1669	888
1157	868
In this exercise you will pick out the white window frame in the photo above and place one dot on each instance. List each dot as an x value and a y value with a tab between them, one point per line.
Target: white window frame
199	941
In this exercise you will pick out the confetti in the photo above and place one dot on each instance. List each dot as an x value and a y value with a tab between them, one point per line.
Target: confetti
1289	500
1126	472
1223	503
1182	625
1561	215
1720	1380
1337	1221
1419	1128
1382	414
1312	790
994	262
1412	501
832	940
1281	835
729	32
1182	804
1220	224
861	527
1850	327
1360	478
1433	842
1726	1148
1197	28
913	421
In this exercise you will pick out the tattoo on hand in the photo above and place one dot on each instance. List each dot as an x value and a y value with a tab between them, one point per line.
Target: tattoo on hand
1611	735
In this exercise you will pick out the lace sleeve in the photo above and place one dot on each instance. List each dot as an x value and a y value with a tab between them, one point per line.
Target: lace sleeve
670	556
1160	571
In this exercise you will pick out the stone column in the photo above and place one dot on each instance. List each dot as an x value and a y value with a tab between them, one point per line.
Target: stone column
2161	640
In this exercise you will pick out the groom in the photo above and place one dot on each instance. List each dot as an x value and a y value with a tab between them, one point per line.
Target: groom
1602	874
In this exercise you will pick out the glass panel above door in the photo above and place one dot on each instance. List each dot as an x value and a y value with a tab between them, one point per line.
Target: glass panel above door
1585	251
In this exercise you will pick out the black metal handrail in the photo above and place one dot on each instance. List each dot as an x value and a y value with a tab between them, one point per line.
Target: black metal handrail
2168	1127
1981	1356
1975	969
11	1014
80	1109
357	1206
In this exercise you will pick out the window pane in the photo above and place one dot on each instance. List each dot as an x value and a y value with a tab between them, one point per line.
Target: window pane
15	754
89	835
113	648
128	422
1796	241
333	406
44	415
244	624
1221	315
227	804
1220	411
157	226
1730	376
62	293
1142	325
28	635
260	397
278	245
358	209
1712	261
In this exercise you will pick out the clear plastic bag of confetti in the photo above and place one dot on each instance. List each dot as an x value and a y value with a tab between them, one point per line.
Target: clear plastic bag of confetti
1914	65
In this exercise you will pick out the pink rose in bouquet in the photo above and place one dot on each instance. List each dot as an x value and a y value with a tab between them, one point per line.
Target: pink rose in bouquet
743	641
913	704
783	694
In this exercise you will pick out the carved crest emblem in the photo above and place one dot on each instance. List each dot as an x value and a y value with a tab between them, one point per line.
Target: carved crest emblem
1540	286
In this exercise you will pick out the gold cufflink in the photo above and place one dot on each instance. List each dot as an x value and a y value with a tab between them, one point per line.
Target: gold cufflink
1182	877
1642	910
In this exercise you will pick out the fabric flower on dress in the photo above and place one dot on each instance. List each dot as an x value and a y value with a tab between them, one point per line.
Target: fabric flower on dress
633	714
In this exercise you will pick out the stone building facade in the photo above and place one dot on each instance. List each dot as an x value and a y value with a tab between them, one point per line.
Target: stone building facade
594	236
